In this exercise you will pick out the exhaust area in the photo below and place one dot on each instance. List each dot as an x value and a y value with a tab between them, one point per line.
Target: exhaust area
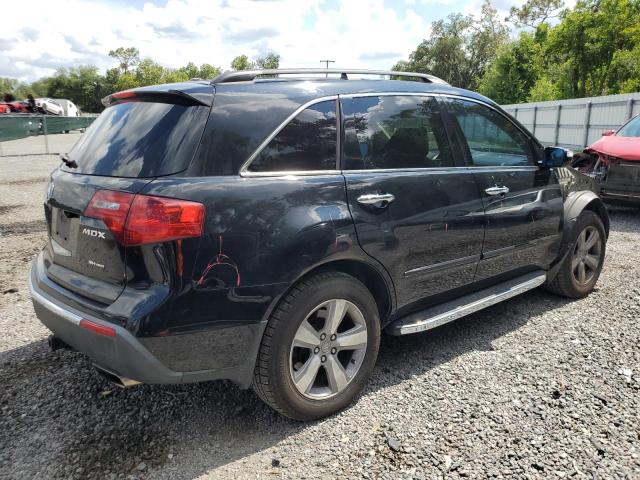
115	379
56	343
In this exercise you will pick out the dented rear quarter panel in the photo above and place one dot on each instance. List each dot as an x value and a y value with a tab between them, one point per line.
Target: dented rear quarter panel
261	235
580	191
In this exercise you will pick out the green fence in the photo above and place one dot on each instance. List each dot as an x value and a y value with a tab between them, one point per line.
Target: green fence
13	127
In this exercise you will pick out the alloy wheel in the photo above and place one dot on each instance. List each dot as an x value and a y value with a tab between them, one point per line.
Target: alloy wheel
328	349
586	255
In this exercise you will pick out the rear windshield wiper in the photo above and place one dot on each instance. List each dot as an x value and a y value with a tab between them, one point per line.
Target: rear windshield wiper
67	161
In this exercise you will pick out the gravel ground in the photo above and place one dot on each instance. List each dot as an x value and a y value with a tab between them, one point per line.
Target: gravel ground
536	387
37	145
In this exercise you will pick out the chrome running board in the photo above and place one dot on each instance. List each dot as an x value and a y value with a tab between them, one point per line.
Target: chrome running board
449	311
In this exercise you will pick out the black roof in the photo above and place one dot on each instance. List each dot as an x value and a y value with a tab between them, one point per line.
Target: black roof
302	90
310	88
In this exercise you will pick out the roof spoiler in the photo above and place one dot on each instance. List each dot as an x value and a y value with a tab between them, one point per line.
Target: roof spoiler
251	75
175	97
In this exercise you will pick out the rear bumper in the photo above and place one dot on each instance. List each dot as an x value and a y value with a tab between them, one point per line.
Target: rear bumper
125	354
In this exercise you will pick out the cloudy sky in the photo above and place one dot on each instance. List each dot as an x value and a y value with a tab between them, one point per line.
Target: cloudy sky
48	34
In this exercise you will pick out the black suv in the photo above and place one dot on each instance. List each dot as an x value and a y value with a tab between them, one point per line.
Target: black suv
266	228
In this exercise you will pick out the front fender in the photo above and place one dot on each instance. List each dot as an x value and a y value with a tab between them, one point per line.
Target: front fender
575	204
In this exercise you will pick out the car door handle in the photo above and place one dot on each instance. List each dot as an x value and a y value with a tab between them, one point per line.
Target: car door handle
497	190
380	200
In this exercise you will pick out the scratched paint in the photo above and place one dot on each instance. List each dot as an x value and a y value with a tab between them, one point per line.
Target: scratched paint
218	262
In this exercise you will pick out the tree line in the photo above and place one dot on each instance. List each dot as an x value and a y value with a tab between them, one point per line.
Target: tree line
541	51
86	86
588	50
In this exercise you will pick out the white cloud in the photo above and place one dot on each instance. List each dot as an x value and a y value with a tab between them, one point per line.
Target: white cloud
72	32
355	33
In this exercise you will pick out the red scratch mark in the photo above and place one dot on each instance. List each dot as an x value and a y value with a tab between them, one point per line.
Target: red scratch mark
219	260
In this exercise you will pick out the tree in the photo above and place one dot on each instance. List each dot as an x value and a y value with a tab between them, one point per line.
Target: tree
593	44
460	48
116	81
191	70
128	57
208	71
515	71
8	85
624	74
205	71
149	73
241	62
174	76
82	85
543	90
534	12
39	88
270	61
86	86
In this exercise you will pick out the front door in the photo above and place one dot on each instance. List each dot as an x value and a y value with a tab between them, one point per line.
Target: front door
523	202
414	209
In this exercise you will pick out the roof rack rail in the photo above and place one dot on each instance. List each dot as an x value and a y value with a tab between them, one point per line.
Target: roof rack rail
250	75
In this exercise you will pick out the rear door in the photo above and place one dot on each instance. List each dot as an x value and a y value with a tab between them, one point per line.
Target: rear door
415	210
523	202
130	144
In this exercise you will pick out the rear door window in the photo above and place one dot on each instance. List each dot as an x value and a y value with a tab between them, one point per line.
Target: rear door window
140	139
492	139
394	132
306	143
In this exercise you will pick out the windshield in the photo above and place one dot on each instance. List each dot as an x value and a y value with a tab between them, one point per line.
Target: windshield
139	139
631	129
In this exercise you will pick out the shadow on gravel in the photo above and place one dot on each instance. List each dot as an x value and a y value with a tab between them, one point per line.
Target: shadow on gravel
624	219
60	419
28	181
22	228
8	208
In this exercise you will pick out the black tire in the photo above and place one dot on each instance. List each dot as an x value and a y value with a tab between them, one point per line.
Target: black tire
273	373
565	283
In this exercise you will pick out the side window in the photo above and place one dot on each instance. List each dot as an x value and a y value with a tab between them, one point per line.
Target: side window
395	131
308	142
492	139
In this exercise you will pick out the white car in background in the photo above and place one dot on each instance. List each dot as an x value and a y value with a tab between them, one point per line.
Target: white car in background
49	106
69	108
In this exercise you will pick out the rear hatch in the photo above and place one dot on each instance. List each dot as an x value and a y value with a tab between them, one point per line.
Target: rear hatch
141	135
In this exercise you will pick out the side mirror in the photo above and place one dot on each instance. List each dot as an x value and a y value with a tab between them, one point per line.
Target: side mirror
556	157
608	133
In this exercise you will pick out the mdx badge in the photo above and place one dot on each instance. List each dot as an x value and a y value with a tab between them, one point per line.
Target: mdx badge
93	233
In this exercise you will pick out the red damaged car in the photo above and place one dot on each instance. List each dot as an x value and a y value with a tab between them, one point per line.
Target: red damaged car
614	161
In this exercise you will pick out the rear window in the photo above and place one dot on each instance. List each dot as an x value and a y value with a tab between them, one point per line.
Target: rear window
307	143
140	139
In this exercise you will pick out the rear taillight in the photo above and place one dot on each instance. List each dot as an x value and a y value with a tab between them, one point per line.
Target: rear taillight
112	208
142	219
159	219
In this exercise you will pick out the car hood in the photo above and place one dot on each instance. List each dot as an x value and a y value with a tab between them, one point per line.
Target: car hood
625	148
